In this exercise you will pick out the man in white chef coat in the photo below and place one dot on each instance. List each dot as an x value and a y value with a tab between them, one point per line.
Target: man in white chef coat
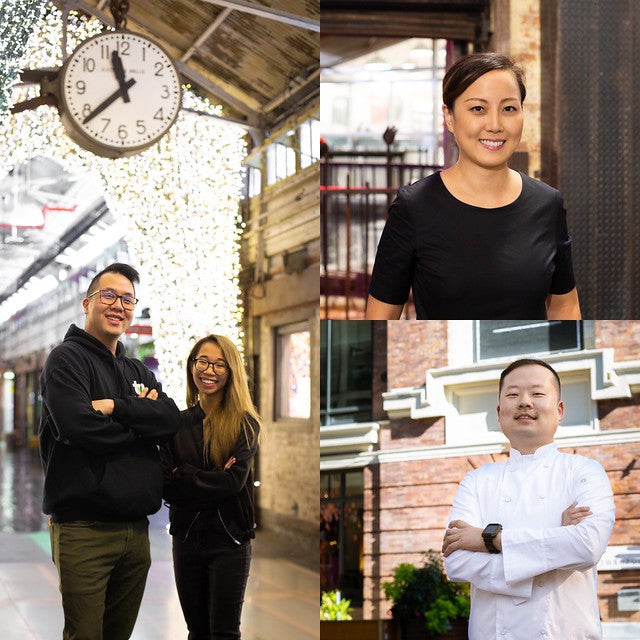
527	533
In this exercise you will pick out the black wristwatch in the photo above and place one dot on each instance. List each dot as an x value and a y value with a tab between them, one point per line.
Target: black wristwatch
488	535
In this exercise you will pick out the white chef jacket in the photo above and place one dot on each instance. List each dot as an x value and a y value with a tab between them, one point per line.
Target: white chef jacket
543	586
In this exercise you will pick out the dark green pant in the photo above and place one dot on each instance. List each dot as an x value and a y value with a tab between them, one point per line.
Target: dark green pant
103	569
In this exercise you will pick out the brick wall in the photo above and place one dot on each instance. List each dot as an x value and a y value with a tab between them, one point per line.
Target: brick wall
620	413
410	433
609	583
622	335
412	348
518	36
406	505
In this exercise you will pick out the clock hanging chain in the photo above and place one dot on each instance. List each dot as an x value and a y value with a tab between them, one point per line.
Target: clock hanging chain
119	10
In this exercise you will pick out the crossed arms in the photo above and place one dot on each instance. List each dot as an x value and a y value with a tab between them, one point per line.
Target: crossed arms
528	549
106	424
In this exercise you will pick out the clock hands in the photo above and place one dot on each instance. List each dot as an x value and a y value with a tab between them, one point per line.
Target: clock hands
120	91
118	69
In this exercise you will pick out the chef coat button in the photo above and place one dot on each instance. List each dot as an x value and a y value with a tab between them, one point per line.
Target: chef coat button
503	632
546	465
542	497
507	499
543	632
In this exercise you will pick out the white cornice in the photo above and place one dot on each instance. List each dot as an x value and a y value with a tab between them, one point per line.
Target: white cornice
608	379
357	437
601	438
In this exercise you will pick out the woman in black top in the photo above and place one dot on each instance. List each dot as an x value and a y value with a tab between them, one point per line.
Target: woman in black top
209	488
478	240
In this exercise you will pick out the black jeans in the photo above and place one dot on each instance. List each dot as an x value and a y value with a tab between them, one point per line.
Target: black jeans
211	581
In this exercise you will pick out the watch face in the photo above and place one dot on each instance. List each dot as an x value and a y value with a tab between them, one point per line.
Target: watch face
119	91
491	530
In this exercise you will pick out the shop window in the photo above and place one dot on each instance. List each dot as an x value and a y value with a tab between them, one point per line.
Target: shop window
499	338
346	369
341	548
293	372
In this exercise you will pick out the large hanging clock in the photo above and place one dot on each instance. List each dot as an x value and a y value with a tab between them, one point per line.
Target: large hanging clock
119	93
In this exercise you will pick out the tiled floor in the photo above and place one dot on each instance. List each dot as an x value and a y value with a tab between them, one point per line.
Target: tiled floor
282	594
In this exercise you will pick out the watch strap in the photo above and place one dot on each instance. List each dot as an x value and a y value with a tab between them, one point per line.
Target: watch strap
488	538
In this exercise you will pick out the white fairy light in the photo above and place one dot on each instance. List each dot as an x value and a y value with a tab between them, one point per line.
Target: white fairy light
18	19
178	202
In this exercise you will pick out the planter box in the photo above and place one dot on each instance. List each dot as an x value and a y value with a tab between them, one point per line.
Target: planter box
385	630
414	630
359	630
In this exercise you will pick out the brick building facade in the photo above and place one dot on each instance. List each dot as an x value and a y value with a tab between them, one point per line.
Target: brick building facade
437	422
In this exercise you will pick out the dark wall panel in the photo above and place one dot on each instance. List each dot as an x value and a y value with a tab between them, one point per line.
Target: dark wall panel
597	98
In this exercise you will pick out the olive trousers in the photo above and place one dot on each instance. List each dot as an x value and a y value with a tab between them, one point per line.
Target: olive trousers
102	567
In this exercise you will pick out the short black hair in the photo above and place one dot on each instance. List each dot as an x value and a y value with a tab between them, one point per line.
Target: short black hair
465	71
125	270
523	362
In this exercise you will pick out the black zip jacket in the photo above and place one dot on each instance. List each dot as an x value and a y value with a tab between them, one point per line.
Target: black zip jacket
97	467
217	503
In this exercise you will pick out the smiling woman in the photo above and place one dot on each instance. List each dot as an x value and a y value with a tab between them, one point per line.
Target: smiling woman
478	240
209	486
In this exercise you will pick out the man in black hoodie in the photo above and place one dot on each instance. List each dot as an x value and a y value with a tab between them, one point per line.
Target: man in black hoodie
103	415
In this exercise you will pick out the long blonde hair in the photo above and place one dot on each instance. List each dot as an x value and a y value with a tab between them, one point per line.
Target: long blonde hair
234	414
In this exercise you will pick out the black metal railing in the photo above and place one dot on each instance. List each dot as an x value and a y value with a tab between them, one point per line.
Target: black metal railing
354	200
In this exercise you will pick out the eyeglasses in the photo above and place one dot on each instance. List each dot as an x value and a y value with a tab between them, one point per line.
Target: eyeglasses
218	367
109	297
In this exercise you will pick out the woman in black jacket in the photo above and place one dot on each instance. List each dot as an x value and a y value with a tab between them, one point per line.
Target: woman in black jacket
209	488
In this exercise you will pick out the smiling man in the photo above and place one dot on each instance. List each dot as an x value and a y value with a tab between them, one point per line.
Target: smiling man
103	415
528	533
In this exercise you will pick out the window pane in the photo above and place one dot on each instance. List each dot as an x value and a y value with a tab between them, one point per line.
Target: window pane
254	181
499	338
272	177
293	385
341	540
346	371
291	161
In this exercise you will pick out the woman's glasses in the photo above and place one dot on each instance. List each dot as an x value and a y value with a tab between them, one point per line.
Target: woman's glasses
218	367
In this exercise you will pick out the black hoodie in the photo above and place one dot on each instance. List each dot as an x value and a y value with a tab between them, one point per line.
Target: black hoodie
97	467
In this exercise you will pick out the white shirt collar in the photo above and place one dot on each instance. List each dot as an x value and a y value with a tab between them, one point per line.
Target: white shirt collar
515	457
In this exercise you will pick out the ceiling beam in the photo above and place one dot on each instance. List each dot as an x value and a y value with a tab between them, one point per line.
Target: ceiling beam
272	14
205	35
278	100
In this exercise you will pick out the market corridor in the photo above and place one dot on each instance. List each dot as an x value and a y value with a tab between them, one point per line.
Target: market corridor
281	600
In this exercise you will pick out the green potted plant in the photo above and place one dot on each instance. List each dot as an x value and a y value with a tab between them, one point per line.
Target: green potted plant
334	607
425	602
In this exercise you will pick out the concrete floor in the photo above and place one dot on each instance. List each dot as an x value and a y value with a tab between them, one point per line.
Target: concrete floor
282	594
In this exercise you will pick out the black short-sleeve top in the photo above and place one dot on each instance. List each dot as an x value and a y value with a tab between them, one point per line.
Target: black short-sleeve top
467	262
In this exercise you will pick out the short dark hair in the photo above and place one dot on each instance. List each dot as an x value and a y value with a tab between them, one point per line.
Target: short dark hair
468	69
523	362
125	270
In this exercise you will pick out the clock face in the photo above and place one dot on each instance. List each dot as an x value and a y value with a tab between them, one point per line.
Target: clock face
119	93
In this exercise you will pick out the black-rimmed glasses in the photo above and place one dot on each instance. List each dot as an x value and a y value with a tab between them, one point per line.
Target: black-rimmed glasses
109	297
218	367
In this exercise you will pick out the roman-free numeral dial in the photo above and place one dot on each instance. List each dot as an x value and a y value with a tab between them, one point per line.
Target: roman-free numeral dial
119	93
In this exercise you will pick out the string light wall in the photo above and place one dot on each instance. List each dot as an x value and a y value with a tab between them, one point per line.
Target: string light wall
18	18
178	202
